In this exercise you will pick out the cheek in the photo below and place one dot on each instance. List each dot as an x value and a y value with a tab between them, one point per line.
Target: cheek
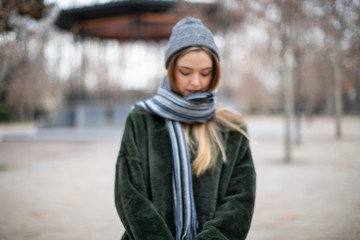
207	81
179	80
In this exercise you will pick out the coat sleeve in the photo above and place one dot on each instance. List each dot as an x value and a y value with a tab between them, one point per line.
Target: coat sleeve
138	215
233	215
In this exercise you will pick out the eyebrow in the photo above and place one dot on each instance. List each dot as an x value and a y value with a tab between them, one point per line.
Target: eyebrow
191	68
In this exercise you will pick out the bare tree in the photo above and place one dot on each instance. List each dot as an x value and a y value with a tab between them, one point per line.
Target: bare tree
339	20
25	84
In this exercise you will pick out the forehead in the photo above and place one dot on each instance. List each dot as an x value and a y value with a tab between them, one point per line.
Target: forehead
195	59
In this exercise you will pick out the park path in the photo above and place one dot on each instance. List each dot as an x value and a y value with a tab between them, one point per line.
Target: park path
63	188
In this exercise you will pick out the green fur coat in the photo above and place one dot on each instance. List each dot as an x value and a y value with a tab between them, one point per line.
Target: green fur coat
224	196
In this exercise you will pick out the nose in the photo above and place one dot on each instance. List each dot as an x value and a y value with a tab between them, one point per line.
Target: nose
195	80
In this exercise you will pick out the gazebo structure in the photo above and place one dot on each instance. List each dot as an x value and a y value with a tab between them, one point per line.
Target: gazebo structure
126	21
133	19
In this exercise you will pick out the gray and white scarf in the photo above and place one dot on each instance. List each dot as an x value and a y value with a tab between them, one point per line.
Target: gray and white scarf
198	107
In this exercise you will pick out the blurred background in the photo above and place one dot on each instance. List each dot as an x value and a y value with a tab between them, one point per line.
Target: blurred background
71	70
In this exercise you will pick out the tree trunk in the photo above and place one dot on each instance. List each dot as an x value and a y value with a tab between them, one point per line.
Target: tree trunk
287	81
288	86
338	95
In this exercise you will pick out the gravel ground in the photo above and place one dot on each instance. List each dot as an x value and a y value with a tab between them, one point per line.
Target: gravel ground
63	188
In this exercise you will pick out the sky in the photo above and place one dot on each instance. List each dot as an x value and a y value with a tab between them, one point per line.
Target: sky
71	3
63	4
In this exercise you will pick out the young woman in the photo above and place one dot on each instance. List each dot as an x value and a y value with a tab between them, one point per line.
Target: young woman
184	169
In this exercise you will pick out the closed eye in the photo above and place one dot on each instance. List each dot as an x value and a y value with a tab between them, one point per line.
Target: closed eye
184	73
206	74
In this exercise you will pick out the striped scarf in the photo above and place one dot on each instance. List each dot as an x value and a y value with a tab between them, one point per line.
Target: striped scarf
198	107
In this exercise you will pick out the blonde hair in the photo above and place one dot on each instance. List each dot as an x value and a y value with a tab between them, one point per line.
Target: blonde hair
206	142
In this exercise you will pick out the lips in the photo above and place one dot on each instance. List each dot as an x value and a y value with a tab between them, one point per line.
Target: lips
193	91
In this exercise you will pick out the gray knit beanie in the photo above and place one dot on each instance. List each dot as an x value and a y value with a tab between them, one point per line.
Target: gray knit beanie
190	32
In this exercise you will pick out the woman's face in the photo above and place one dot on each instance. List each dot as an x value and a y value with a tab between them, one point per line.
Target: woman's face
193	73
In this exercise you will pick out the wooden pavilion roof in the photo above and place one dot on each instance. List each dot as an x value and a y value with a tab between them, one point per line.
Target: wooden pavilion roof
125	20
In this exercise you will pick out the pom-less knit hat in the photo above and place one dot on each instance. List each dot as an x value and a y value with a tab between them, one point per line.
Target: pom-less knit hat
190	32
